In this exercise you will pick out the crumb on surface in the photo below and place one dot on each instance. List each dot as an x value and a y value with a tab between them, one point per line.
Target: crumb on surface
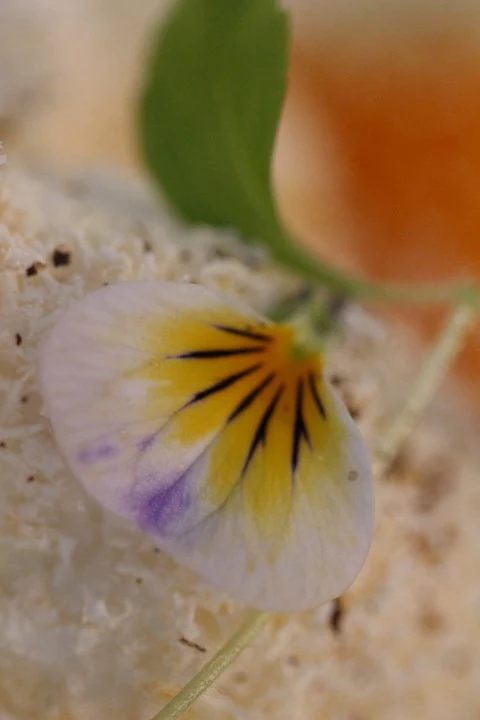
32	270
193	645
337	616
61	258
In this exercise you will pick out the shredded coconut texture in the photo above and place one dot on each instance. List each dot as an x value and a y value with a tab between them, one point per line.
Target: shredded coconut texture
95	623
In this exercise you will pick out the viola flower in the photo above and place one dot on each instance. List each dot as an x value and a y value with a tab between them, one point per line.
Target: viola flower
217	434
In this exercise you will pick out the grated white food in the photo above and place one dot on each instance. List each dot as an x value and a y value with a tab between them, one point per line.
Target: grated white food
91	615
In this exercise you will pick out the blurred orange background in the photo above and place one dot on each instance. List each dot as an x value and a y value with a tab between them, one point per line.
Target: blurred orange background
384	116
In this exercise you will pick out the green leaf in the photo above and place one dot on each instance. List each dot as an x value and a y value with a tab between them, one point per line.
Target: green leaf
208	120
210	112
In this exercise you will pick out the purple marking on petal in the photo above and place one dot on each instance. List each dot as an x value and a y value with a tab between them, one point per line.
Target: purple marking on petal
92	454
147	442
164	510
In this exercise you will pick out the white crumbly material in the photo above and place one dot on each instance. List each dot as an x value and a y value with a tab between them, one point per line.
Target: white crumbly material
92	616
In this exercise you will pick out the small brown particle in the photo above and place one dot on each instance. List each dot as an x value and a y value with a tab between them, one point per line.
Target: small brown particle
354	408
18	339
431	620
336	380
147	246
353	475
240	677
398	468
3	444
336	616
24	399
436	485
32	270
433	548
425	549
30	478
354	411
293	661
61	258
193	645
139	580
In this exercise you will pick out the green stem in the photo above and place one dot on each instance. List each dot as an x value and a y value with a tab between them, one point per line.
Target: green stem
426	385
292	256
214	668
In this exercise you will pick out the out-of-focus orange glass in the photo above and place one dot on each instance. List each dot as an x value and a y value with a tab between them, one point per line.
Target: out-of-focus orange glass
378	163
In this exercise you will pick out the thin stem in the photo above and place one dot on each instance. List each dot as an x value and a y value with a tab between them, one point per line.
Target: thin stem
214	668
291	255
292	305
426	385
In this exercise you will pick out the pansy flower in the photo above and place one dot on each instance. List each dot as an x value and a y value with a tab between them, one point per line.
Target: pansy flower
217	434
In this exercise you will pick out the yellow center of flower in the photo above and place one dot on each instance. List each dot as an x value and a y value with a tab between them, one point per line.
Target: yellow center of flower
260	393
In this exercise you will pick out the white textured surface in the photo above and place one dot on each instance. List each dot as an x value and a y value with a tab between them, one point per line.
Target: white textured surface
91	615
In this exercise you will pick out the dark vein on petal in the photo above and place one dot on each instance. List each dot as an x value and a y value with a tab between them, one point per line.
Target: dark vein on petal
316	397
223	384
247	401
261	431
299	429
244	333
212	354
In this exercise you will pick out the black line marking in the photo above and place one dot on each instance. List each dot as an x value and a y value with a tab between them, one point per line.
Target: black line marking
223	384
211	354
261	432
244	333
244	404
316	397
299	429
